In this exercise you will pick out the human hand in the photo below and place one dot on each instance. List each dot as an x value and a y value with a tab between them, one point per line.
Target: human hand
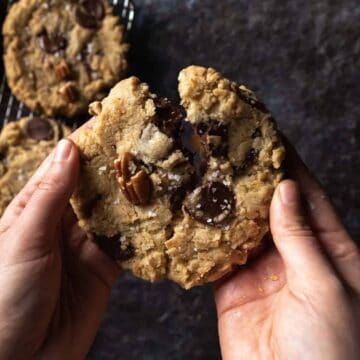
300	300
55	283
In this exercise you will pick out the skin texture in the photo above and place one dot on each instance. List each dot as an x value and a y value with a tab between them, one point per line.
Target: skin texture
48	267
301	299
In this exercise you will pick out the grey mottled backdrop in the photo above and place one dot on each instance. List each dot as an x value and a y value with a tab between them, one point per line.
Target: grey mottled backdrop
303	59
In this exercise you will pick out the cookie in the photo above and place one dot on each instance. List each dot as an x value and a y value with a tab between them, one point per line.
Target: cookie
179	192
62	54
24	144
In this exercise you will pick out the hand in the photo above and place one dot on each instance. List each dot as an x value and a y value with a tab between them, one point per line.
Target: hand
300	300
54	282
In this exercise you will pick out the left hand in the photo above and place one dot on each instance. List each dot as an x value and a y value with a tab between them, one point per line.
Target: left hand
55	282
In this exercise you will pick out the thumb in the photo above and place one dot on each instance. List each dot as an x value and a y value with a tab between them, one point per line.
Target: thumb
47	204
299	248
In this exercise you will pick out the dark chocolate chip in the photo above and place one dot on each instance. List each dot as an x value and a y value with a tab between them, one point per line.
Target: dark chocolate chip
39	129
219	129
168	118
250	159
250	99
212	204
202	128
94	8
256	133
51	43
90	13
117	247
89	207
85	19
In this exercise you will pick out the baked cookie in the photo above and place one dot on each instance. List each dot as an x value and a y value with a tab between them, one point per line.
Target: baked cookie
24	144
179	193
62	54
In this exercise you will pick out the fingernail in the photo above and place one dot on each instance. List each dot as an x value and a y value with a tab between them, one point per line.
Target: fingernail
63	150
289	193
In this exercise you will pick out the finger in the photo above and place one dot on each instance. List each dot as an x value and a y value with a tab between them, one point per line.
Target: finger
45	207
17	205
338	245
296	242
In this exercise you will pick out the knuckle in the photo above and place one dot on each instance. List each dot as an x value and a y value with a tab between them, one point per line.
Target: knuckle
299	230
52	181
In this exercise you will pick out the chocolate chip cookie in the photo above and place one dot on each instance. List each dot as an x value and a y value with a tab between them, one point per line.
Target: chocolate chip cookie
179	192
62	54
24	144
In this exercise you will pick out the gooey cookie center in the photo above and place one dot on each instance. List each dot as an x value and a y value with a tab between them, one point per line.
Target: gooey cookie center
171	138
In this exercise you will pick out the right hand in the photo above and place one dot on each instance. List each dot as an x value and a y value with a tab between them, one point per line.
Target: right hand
300	300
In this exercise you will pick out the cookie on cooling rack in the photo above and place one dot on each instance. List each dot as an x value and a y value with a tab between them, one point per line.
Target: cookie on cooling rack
24	144
59	55
179	193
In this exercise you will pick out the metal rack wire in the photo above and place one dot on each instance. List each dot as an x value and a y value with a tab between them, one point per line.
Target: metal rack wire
10	107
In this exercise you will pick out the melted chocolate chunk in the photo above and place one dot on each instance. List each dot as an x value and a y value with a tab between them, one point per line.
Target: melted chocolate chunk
202	128
250	99
51	43
117	247
90	206
212	204
39	129
90	14
219	129
94	8
250	159
256	133
85	20
169	118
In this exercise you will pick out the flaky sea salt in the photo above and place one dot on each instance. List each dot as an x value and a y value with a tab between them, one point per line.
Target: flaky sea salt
151	214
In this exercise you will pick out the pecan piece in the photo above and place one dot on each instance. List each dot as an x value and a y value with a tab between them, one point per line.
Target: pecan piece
62	70
133	180
69	92
142	186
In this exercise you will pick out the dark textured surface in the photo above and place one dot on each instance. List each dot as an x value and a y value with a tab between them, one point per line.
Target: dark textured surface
302	57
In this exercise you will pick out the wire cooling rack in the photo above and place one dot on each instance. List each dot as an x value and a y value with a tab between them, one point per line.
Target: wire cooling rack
10	107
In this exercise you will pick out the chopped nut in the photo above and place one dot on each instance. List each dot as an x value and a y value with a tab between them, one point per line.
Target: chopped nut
62	70
95	108
134	182
142	186
69	92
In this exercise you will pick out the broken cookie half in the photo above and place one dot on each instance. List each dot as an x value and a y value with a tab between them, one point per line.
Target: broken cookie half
179	192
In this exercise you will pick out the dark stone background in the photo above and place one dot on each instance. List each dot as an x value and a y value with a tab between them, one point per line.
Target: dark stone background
303	59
